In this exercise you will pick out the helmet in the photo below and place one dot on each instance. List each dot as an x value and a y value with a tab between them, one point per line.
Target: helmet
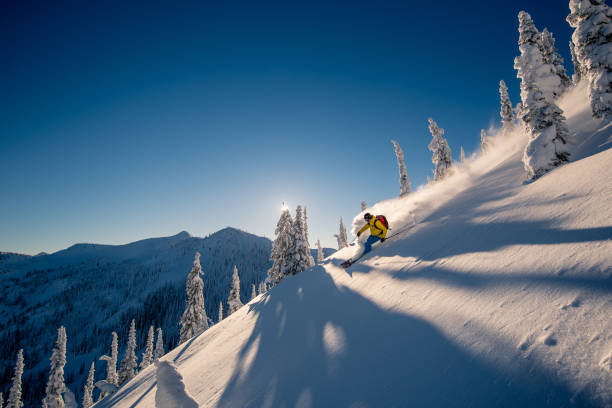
367	216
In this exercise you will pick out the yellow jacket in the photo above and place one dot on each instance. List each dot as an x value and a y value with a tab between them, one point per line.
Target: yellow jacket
376	228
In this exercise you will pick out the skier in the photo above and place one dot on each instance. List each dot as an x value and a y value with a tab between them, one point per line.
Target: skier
378	230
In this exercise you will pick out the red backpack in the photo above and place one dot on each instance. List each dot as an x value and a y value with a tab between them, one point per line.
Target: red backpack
383	221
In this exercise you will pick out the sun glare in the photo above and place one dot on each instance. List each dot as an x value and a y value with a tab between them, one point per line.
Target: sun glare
284	207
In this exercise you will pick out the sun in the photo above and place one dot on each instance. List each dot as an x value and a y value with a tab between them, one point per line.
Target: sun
284	207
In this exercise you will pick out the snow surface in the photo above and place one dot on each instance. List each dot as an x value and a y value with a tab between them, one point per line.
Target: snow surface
500	295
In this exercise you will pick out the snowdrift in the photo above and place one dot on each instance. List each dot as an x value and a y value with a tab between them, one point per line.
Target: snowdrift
500	295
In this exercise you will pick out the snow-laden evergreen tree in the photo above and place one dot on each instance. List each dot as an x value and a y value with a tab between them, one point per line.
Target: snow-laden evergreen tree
363	206
89	387
506	113
220	312
194	320
428	179
147	356
484	141
551	56
282	249
592	39
442	158
300	257
342	238
111	362
577	68
543	119
253	291
306	228
14	396
55	384
128	368
462	155
320	255
262	287
531	64
159	345
405	187
1	400
233	300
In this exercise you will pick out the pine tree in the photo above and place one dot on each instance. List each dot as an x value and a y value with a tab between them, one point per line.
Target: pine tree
577	68
111	362
462	155
220	312
14	397
1	400
89	387
253	291
363	206
442	158
233	300
405	187
159	345
592	37
506	113
300	257
551	56
531	65
320	256
484	141
147	356
194	320
343	238
128	364
262	287
55	384
543	119
282	248
309	259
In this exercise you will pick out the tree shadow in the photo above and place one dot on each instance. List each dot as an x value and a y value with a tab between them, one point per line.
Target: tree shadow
315	344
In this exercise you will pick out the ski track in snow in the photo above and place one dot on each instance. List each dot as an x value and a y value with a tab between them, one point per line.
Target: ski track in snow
499	296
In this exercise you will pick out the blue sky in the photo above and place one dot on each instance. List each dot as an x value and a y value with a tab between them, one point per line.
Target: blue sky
125	121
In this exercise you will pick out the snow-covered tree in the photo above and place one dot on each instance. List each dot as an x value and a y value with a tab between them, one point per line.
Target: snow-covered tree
551	56
531	65
1	400
320	255
543	119
484	141
89	387
306	228
462	155
442	158
405	187
253	291
159	345
577	68
194	320
55	384
147	356
282	248
506	113
300	257
128	368
220	312
363	206
592	39
428	180
233	300
262	287
342	238
111	362
14	396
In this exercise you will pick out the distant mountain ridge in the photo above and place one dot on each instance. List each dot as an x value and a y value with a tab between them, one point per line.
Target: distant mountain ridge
94	289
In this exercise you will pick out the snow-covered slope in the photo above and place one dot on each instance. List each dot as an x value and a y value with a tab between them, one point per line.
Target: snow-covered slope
500	295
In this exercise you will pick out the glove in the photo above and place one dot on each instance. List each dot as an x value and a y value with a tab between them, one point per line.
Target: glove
358	234
382	240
